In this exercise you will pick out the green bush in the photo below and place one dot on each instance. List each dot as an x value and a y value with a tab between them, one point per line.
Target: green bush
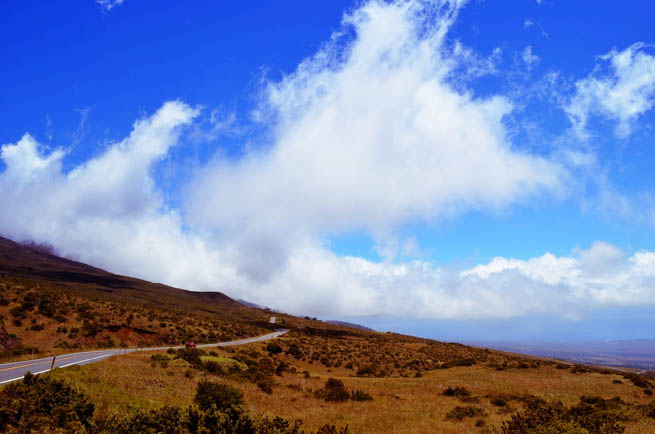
221	396
159	359
592	415
37	404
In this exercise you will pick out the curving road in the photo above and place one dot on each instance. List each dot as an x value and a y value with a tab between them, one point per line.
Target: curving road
16	370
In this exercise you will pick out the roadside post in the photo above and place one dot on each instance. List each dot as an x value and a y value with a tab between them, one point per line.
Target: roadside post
52	366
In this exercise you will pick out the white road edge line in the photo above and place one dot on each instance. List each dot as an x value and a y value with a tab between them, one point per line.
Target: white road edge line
85	360
22	376
56	367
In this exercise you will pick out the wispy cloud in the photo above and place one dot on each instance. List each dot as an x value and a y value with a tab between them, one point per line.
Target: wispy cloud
529	57
108	5
621	88
78	134
528	23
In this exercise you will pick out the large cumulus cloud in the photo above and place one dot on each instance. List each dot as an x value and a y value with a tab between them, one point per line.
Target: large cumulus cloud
374	131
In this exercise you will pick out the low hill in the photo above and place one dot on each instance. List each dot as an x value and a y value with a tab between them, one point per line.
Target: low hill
34	263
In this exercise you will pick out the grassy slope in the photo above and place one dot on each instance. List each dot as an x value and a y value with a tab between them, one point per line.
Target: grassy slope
400	404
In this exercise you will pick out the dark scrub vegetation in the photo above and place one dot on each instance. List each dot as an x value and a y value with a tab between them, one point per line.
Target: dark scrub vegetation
41	405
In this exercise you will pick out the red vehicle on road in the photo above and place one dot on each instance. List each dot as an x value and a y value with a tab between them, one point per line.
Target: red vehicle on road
190	345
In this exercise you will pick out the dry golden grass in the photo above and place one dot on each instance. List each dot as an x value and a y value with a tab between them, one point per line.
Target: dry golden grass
401	404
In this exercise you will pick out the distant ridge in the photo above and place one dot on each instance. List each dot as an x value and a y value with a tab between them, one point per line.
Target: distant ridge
250	304
349	324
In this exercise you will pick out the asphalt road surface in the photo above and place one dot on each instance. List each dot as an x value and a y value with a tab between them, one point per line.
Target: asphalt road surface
16	370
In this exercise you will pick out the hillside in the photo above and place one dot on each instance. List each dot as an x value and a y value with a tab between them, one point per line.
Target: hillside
330	376
50	304
32	263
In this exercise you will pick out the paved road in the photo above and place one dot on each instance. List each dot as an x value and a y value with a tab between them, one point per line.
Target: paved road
16	370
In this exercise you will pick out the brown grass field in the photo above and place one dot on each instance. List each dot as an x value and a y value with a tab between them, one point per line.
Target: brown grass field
123	385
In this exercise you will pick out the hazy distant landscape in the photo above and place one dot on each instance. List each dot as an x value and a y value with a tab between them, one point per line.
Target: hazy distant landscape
636	354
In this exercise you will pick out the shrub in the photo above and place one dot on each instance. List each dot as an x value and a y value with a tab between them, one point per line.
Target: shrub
281	368
265	386
17	312
498	402
42	405
638	380
295	352
190	355
460	413
592	415
331	429
458	392
164	420
367	371
47	307
159	359
222	396
648	410
333	391
273	348
360	395
458	362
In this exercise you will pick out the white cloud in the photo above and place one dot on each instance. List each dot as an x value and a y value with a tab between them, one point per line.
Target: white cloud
107	212
529	57
108	5
367	134
621	91
371	136
600	276
528	23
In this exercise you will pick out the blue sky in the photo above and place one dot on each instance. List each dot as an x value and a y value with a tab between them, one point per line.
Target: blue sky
408	164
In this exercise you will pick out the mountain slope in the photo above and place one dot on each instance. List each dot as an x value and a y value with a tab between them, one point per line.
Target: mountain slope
34	263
